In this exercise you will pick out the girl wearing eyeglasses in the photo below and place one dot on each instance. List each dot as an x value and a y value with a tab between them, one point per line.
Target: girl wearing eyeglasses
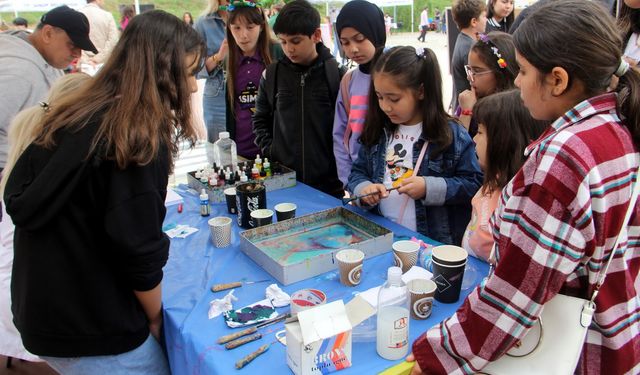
492	68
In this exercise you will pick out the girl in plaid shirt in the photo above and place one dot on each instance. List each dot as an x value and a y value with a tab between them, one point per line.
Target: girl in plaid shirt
558	218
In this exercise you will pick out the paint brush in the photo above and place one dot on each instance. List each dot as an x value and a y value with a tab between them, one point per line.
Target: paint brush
251	356
235	284
346	201
249	331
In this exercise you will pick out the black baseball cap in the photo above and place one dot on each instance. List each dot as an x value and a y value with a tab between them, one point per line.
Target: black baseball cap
74	23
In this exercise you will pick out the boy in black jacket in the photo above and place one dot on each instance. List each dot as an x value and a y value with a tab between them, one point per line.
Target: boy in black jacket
293	121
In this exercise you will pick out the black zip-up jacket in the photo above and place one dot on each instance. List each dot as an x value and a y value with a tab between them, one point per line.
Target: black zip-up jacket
87	235
296	130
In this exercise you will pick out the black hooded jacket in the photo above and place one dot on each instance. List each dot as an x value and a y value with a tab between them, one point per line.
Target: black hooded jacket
293	122
87	235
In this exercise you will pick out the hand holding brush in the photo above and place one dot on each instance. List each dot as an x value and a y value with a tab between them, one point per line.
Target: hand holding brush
370	195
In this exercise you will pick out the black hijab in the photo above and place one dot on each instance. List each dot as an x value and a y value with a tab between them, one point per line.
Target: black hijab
368	19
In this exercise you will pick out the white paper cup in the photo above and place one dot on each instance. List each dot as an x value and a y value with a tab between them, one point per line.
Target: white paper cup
421	292
350	265
405	254
220	228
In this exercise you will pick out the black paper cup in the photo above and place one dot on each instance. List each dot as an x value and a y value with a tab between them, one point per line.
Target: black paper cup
448	264
250	196
285	211
230	194
261	217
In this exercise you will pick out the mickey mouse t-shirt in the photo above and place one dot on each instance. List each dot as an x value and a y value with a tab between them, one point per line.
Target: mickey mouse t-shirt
399	165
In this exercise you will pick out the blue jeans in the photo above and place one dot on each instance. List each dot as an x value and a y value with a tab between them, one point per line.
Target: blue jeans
145	359
214	106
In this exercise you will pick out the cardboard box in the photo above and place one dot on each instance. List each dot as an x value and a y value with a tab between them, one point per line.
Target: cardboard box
304	247
320	341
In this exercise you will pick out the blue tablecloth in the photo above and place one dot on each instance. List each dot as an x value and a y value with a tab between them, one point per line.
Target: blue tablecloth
194	265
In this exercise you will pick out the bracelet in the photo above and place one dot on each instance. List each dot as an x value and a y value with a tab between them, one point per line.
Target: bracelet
466	112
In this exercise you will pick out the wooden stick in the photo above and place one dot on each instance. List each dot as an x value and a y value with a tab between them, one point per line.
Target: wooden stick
234	336
250	357
235	343
219	287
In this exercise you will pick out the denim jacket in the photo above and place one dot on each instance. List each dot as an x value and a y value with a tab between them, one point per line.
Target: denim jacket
213	30
451	179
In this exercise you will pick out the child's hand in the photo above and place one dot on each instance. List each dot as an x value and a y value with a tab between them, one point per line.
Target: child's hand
467	99
373	199
414	187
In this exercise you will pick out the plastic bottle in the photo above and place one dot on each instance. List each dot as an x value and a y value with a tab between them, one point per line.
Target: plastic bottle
392	339
267	167
224	152
258	162
204	203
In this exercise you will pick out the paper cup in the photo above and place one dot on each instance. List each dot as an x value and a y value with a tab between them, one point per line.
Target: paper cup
285	211
421	292
230	195
405	254
306	298
220	228
448	263
261	217
350	265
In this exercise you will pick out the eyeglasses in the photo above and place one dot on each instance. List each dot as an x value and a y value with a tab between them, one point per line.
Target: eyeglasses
471	73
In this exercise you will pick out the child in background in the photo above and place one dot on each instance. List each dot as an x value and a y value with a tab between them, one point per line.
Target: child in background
251	50
293	121
505	128
499	15
405	119
492	68
360	26
471	18
558	218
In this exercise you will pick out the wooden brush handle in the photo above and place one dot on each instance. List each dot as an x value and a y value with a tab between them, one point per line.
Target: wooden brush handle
245	361
234	336
241	341
219	287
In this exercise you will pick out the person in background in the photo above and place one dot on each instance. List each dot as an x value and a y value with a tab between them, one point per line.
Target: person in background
505	128
424	24
251	50
212	28
629	24
103	33
87	200
127	14
438	19
31	62
388	23
275	10
25	127
361	28
492	68
499	15
296	101
20	23
470	17
557	219
410	143
188	18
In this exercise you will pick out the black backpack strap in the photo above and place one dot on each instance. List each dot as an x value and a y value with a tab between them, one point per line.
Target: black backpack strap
334	75
270	83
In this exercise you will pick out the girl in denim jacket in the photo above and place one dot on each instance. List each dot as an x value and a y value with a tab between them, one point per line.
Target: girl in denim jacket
411	145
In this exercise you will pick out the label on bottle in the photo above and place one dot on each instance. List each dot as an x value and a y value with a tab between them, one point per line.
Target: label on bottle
399	335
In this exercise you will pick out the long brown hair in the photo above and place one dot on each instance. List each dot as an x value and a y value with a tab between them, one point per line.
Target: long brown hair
510	128
141	95
250	15
580	37
506	76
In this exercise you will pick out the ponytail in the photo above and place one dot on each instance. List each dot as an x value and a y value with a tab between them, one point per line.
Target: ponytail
628	90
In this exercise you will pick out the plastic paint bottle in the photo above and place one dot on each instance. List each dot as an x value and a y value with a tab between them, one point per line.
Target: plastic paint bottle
267	167
258	162
392	339
204	203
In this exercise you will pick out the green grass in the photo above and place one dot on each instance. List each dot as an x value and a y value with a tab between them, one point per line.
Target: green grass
178	7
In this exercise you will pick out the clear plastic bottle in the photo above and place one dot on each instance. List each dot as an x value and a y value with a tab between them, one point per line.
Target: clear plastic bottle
225	153
392	339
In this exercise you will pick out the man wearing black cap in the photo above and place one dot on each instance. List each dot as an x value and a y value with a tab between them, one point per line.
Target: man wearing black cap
30	63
